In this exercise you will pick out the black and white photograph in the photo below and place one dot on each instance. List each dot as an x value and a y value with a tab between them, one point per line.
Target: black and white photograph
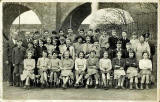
80	51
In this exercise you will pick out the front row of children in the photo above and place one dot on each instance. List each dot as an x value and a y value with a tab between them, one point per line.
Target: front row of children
91	71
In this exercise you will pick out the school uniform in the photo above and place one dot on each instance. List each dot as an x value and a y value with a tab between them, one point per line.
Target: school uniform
114	52
29	65
105	66
117	71
66	68
87	48
18	55
71	50
40	49
134	43
103	49
72	37
80	66
124	42
78	47
32	50
97	49
55	65
131	67
113	42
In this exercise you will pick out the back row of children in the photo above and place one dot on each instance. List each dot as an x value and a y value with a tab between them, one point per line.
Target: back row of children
69	60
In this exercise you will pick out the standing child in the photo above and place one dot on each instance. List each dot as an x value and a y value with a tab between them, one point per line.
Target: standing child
119	73
62	45
49	47
124	40
92	69
96	47
66	69
132	69
54	69
43	65
145	66
103	39
113	40
80	67
28	72
134	41
18	55
105	67
78	45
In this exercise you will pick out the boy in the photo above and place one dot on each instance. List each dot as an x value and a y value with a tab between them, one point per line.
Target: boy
71	35
124	40
103	39
18	55
113	40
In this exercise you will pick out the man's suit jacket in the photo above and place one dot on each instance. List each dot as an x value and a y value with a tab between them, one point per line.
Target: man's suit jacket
18	55
11	46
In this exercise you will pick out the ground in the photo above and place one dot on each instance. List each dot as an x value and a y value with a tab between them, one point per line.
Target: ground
12	93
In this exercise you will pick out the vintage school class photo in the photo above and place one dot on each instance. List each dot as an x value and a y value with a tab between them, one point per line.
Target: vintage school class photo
80	51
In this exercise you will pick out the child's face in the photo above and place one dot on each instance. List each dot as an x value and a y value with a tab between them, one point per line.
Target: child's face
141	39
30	45
48	40
119	54
70	31
35	42
68	42
104	33
44	54
40	43
81	33
81	55
107	45
114	33
54	55
105	55
66	54
61	33
96	44
29	55
145	56
54	42
134	36
62	41
19	43
89	32
79	40
131	55
88	39
124	34
92	54
128	46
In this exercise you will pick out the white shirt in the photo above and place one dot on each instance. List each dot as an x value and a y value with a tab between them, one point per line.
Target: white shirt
145	64
80	64
105	64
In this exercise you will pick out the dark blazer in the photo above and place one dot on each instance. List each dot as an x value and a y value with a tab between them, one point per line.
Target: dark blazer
11	46
118	62
124	42
113	41
18	55
114	53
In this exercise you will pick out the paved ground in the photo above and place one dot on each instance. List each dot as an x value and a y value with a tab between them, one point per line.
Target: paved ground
11	93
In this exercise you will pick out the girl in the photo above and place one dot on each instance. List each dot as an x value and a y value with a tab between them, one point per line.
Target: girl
132	69
80	67
145	66
141	47
66	69
43	66
103	39
31	48
78	45
86	47
49	47
54	69
119	73
105	66
92	68
134	41
28	72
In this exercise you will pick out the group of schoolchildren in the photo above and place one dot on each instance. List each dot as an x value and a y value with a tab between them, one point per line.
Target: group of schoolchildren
91	59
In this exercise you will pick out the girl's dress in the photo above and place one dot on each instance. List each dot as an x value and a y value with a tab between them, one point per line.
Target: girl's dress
80	65
43	64
55	65
29	65
132	70
145	65
67	65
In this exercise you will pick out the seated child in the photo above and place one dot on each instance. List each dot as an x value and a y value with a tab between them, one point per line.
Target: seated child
80	67
119	73
43	66
28	72
105	67
145	66
54	69
92	68
132	69
66	69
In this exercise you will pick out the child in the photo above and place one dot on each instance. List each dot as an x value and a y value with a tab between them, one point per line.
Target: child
124	40
18	55
78	45
62	45
28	72
43	66
118	48
54	42
96	47
145	66
105	67
49	46
96	34
31	48
141	47
134	41
106	48
103	39
54	69
81	33
113	40
87	46
71	35
126	51
132	69
66	69
92	68
40	48
80	67
119	73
